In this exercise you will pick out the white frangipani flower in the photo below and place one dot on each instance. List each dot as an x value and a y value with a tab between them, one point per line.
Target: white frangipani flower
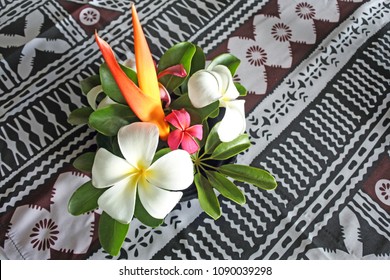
208	86
158	184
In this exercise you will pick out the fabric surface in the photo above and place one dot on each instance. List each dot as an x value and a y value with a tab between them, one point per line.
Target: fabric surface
318	116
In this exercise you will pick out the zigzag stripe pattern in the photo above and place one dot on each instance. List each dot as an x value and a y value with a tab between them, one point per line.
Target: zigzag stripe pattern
379	218
342	178
376	54
377	223
213	237
210	239
367	158
337	196
31	179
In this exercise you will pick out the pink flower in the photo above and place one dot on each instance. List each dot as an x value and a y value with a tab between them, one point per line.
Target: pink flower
184	134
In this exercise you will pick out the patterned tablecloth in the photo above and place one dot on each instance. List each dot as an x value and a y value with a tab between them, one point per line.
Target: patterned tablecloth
318	75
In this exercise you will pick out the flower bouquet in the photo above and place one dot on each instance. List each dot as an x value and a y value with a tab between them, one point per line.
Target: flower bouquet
160	130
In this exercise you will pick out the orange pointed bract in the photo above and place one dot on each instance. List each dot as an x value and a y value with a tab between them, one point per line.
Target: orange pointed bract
146	70
146	108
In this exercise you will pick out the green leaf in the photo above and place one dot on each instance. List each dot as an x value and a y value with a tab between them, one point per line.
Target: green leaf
109	85
80	116
215	114
207	197
110	143
160	153
84	162
212	141
89	83
110	119
198	63
252	175
180	53
227	150
209	110
84	199
226	187
181	102
241	89
198	115
144	217
111	234
206	130
229	60
198	60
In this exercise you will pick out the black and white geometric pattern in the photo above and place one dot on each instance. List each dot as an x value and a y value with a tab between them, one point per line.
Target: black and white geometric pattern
323	130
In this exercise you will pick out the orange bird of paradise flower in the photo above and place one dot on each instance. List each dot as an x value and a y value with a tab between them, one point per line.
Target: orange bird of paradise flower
144	100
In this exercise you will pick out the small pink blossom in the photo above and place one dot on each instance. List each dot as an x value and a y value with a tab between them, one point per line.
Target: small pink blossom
184	134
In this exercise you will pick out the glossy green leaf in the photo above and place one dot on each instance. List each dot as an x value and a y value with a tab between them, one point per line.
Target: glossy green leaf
84	199
80	115
212	141
229	60
198	63
89	83
226	150
181	102
209	110
252	175
180	53
198	115
110	119
144	217
111	234
241	89
110	143
206	130
198	60
84	162
109	85
225	187
160	153
207	197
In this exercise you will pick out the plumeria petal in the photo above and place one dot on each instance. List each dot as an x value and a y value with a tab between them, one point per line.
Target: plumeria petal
173	171
184	134
174	139
138	143
204	88
157	202
108	169
119	200
179	118
196	131
105	102
92	96
189	144
229	90
233	123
